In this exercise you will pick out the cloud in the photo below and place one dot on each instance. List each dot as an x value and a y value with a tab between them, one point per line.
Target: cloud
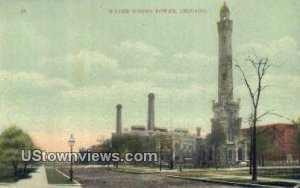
21	80
27	97
86	66
93	59
192	60
282	55
139	55
201	68
21	45
282	52
140	48
282	78
81	67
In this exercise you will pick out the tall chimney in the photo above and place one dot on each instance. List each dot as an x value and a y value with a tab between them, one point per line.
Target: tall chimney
119	120
151	119
198	129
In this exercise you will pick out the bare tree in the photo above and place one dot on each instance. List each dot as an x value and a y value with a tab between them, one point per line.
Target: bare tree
260	66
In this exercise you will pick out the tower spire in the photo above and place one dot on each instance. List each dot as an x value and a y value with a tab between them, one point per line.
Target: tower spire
225	83
226	111
224	11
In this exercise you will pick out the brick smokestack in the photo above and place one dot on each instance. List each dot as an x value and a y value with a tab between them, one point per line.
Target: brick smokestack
119	120
151	117
198	129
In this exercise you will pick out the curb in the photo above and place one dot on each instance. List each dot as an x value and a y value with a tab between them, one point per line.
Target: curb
224	182
76	182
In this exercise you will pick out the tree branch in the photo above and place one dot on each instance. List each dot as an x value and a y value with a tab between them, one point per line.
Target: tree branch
247	84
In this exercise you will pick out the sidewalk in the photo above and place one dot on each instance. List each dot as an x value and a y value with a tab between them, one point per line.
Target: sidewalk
38	180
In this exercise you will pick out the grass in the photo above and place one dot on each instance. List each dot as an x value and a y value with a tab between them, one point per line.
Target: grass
276	182
8	179
54	177
211	173
287	176
236	177
135	170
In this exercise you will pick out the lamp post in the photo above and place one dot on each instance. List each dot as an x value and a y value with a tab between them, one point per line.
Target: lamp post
110	150
71	144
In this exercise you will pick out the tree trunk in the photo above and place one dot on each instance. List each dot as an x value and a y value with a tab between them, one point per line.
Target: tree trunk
262	160
251	153
254	159
15	169
25	169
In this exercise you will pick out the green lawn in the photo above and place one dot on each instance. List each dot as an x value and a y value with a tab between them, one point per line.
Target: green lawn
135	169
235	176
54	177
276	182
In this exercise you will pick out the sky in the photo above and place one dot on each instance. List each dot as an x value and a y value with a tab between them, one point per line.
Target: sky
64	65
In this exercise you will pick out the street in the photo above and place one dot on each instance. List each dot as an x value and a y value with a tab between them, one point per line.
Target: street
100	177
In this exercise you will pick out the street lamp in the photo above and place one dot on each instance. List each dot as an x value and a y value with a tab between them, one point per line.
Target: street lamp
110	150
71	144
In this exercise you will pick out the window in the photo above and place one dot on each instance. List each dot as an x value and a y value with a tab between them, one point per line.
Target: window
230	136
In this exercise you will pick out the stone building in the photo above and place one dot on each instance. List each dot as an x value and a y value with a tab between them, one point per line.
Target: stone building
226	110
175	146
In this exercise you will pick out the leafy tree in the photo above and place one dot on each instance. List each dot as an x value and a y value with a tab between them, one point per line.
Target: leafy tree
297	121
266	144
12	141
128	143
83	152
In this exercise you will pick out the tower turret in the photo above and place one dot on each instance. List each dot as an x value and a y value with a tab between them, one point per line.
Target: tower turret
226	111
225	83
224	12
